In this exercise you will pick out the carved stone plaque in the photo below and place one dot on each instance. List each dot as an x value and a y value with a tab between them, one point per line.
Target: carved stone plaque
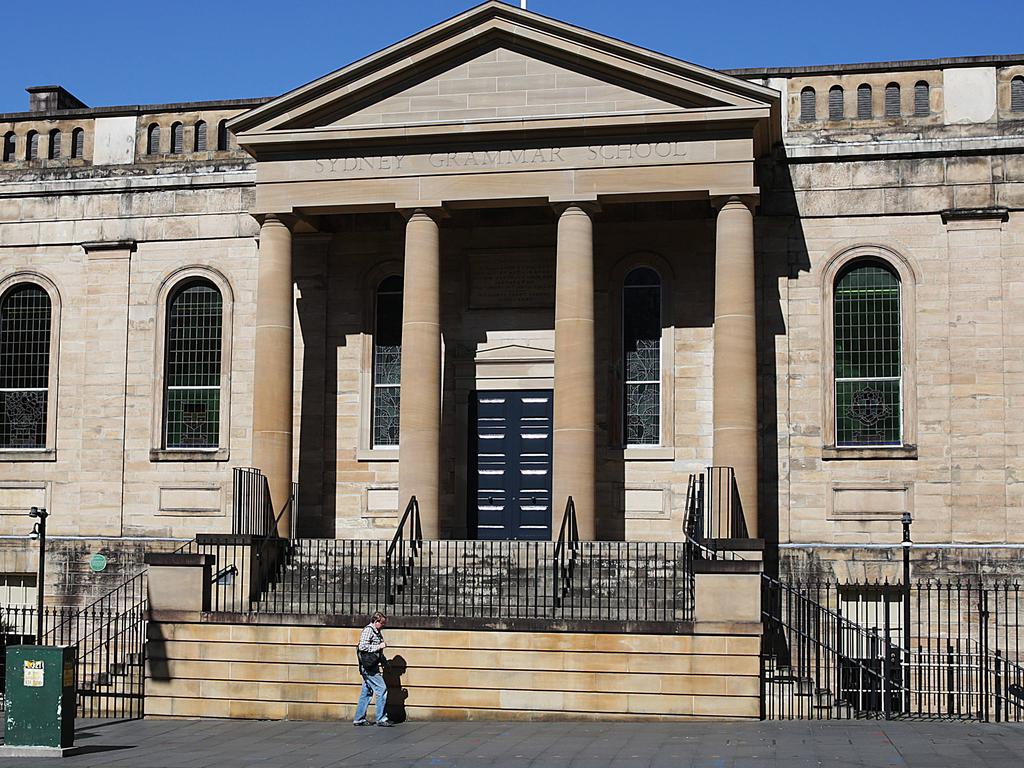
511	279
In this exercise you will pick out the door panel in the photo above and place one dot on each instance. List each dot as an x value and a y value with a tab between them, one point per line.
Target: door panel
512	439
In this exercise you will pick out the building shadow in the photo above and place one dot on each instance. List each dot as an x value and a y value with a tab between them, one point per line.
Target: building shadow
397	695
782	255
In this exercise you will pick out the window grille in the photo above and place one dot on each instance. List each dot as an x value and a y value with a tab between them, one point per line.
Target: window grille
387	362
864	107
9	146
32	146
641	356
892	100
222	135
200	142
808	107
193	366
24	366
54	144
177	139
922	105
868	356
836	109
78	143
1017	94
153	140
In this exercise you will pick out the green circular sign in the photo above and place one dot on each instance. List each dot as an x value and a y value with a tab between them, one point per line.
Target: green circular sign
98	562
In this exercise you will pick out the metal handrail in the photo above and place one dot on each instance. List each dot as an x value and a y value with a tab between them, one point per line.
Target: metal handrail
564	560
132	585
398	542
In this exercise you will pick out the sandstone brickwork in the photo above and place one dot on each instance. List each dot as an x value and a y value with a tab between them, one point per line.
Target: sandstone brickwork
937	191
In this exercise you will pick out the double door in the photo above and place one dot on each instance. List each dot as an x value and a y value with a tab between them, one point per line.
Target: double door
511	442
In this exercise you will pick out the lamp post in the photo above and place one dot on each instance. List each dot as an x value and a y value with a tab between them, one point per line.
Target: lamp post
907	520
39	532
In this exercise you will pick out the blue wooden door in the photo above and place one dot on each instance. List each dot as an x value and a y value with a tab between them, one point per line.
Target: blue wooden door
510	496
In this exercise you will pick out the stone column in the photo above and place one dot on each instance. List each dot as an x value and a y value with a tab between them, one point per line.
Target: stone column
735	371
419	444
272	387
573	472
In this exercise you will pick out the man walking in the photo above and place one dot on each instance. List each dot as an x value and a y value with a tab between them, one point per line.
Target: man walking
370	653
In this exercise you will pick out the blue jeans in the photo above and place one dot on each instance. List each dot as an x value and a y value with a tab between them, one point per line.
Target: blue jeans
372	685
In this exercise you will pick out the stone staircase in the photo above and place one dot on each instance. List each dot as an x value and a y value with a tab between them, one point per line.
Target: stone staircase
607	581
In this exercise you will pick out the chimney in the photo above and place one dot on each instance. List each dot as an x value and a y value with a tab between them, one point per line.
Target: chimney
47	98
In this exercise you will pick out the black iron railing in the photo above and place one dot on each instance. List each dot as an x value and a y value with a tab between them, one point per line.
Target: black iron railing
840	650
252	514
611	581
400	556
109	635
714	524
723	512
567	548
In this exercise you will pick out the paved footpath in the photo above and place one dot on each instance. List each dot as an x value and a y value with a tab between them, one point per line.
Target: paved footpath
226	743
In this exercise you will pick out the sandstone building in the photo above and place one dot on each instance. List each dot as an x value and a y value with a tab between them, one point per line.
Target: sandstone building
543	262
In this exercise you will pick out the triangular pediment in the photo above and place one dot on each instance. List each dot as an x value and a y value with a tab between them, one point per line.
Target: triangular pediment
505	83
499	63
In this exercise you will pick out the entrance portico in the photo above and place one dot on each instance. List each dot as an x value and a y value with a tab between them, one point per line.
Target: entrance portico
490	110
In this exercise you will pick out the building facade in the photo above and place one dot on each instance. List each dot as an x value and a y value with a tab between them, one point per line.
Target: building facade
534	262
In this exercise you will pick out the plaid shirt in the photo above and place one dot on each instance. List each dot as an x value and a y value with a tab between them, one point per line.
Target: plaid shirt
371	640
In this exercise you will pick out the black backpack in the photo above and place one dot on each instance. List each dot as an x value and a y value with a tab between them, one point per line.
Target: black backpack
370	661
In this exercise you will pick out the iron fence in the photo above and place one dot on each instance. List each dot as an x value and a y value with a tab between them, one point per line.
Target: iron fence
109	636
931	649
612	581
714	524
252	514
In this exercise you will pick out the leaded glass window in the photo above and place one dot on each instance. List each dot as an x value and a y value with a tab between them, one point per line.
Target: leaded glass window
193	365
387	362
24	366
868	356
641	356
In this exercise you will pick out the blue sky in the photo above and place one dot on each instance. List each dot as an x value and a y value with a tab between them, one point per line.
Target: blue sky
128	52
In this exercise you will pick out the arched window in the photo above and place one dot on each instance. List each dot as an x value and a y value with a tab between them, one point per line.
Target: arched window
641	357
808	107
153	140
836	110
922	105
25	313
1017	94
192	370
78	143
868	355
864	108
222	135
32	146
200	137
10	146
892	100
387	361
177	138
54	152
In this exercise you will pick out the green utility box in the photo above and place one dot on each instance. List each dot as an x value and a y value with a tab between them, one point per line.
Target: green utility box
40	694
